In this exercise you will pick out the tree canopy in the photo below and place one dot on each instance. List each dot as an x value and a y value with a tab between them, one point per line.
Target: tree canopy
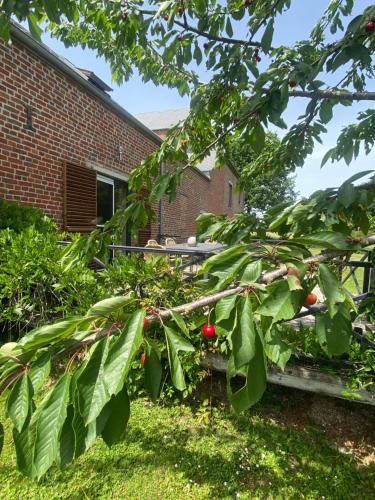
268	187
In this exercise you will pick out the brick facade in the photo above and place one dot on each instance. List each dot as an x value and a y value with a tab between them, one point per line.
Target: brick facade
72	124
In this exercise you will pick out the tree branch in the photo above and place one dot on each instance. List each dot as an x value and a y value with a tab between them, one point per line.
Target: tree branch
340	95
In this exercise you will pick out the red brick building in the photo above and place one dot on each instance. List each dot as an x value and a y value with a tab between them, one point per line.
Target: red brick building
68	148
205	188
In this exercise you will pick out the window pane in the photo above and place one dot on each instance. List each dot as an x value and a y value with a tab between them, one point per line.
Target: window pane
121	192
104	207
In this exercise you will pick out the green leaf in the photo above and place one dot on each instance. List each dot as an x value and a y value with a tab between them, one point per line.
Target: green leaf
119	412
347	194
49	333
230	271
34	27
224	308
153	372
334	334
328	239
48	425
197	54
325	112
109	306
276	349
243	336
67	440
91	384
331	287
281	303
266	40
19	402
228	27
180	322
176	343
122	353
222	257
256	380
252	272
357	176
40	370
1	437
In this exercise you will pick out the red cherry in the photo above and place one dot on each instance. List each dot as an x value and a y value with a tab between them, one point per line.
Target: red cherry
146	322
258	58
370	26
142	358
292	83
180	10
310	299
166	17
209	331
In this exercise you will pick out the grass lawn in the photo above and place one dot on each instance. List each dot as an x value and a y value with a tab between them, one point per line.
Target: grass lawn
277	450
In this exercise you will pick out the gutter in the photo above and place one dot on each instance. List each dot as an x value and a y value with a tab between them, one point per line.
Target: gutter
18	32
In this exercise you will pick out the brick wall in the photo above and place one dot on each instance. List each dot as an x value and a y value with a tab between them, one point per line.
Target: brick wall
70	124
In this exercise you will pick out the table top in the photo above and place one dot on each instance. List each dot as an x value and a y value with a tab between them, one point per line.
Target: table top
199	247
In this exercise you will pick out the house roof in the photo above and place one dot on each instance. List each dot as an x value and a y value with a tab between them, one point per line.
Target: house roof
163	120
83	78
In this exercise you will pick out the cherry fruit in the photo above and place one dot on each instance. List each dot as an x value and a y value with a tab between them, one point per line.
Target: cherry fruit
143	358
310	299
209	331
370	26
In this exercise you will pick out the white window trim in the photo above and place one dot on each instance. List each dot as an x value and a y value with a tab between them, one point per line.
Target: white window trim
107	172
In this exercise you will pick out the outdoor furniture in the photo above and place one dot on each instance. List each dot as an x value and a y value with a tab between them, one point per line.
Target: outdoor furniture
152	244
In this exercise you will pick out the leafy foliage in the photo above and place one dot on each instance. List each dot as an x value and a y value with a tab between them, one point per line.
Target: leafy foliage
263	188
271	279
34	285
18	217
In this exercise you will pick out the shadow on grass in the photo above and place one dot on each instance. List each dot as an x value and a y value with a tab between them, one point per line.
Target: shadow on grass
249	455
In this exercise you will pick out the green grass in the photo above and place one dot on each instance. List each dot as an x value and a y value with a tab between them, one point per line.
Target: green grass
169	454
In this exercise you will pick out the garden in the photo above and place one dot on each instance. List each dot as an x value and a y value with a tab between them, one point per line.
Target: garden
108	378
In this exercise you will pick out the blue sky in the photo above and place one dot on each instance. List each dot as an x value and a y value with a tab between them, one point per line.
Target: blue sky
138	97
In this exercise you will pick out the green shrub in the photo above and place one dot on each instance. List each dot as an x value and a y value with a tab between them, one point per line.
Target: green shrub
34	285
18	217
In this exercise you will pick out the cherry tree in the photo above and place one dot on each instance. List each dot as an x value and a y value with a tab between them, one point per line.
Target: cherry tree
253	285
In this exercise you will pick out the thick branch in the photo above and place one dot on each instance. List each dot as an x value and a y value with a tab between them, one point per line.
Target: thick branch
266	278
340	95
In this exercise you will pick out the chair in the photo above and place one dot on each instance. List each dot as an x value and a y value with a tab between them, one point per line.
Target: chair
150	255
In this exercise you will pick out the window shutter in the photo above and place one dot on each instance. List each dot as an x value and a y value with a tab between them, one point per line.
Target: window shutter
79	198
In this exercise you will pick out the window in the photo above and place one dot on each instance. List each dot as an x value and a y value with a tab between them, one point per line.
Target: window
111	196
90	199
230	195
105	199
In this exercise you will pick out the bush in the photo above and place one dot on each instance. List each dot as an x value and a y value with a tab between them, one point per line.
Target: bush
35	288
18	217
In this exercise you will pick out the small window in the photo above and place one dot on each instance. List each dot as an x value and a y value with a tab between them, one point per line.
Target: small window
230	195
105	200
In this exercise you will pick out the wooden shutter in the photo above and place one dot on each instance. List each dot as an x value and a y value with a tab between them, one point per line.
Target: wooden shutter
79	198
